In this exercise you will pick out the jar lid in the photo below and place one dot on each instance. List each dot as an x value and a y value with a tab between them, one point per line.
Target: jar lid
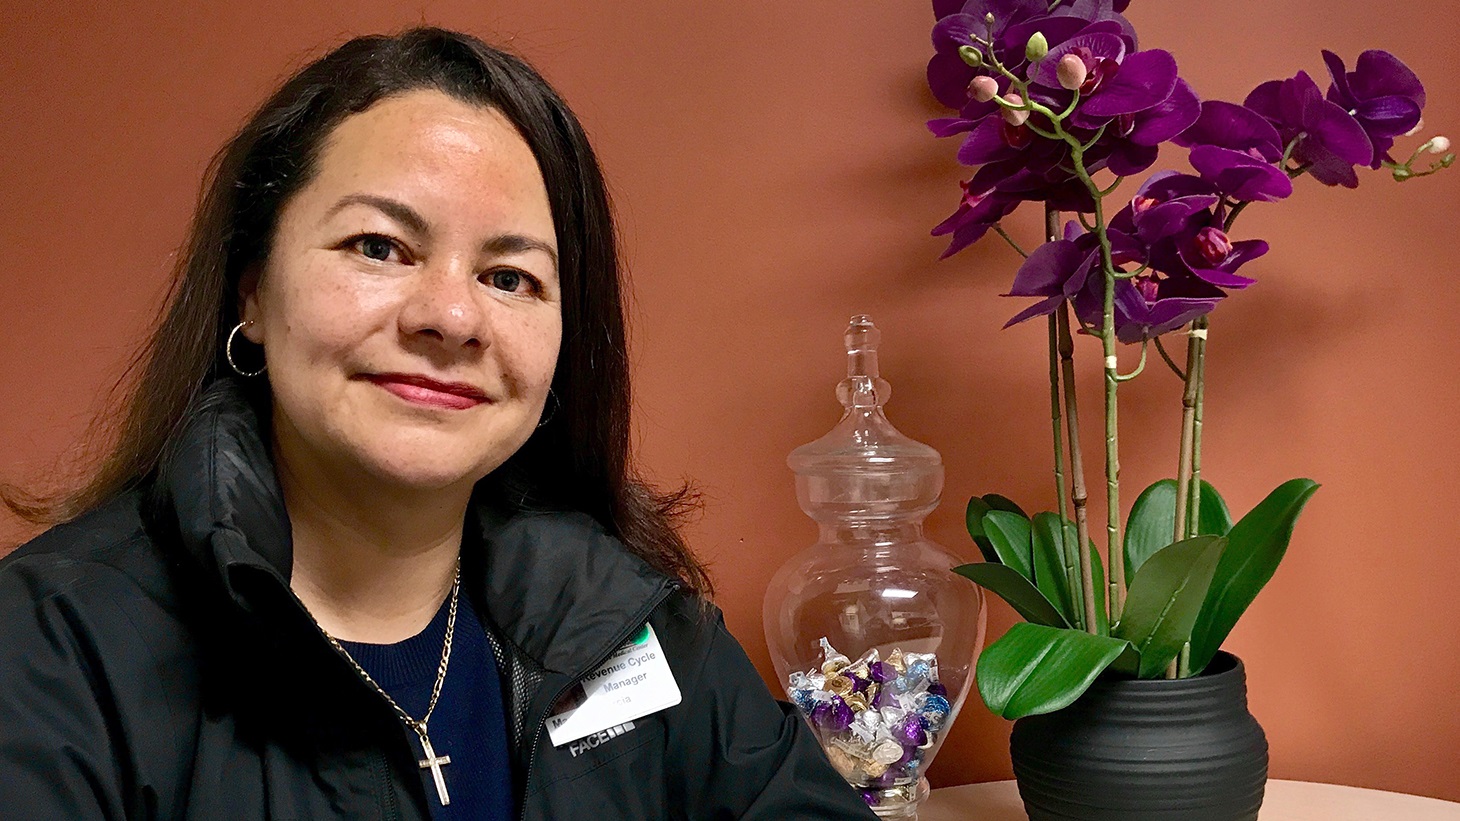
864	459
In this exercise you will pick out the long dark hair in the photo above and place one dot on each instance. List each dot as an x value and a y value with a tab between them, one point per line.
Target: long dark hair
578	460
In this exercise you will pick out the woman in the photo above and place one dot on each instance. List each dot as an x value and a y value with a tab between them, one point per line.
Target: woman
370	522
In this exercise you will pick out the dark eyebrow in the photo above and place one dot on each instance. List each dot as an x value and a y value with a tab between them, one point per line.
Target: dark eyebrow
516	244
409	217
395	209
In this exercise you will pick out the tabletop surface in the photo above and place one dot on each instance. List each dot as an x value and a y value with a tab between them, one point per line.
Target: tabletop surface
1285	801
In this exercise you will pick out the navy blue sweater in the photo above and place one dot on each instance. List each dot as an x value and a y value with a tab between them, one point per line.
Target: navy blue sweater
469	723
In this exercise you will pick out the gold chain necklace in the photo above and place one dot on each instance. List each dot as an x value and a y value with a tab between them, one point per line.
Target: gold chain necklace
432	761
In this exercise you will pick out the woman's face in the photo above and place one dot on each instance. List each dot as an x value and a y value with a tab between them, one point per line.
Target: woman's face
409	310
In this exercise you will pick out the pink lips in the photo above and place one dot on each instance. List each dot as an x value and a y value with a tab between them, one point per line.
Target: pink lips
422	390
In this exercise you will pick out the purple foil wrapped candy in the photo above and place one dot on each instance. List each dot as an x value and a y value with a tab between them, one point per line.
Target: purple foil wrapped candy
881	672
937	689
909	732
859	684
833	715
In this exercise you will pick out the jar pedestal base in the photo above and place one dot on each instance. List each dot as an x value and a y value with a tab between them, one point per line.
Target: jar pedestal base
899	803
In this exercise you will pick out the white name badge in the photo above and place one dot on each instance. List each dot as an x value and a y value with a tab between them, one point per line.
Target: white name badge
634	682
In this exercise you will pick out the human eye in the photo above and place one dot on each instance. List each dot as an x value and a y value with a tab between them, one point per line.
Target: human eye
512	281
375	247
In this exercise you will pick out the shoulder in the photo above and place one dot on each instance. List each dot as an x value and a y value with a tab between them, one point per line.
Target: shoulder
94	596
98	675
106	551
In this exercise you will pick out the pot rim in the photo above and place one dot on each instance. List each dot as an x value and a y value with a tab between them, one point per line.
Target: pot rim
1228	664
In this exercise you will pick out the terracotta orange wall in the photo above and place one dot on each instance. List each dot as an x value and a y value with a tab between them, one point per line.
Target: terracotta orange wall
773	178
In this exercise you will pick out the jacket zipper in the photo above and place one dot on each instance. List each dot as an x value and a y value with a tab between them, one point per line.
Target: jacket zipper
392	801
635	623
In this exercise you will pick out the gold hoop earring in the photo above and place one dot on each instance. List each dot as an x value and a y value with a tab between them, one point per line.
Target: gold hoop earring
553	411
228	352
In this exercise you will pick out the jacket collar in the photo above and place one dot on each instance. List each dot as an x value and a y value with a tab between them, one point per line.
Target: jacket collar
555	584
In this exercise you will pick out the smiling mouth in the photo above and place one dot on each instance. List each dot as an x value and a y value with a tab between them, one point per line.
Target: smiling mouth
421	390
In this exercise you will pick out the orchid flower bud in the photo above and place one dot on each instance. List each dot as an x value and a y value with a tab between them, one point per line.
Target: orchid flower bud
1037	47
983	88
1213	245
989	18
1438	144
970	55
1012	116
1140	205
1071	72
1148	287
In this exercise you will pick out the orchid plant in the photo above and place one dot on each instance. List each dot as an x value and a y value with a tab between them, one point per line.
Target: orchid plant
1057	104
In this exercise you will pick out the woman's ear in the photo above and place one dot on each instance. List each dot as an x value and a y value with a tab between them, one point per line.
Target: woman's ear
248	303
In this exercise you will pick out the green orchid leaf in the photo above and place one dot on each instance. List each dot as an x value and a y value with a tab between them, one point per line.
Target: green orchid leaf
1013	588
1164	598
1256	546
1051	568
1153	521
1035	669
998	502
1010	535
1045	538
973	519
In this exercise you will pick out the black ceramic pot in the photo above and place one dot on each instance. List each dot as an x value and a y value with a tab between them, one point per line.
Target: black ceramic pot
1146	750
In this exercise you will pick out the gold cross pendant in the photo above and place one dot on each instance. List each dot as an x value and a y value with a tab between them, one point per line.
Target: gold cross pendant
434	763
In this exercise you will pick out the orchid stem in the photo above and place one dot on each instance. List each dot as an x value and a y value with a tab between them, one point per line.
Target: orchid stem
1179	525
1115	552
1057	421
1232	217
1080	497
1012	244
1126	377
1169	361
1193	513
1051	231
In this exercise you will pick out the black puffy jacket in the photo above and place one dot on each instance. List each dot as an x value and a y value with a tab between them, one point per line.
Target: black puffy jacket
155	664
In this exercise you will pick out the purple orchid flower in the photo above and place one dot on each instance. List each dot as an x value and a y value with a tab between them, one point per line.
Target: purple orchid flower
1177	221
1150	305
1381	93
977	213
1236	149
1164	206
1240	175
1018	165
1116	82
1239	128
948	75
1051	269
1135	139
1146	306
1060	270
1332	141
1014	22
1208	254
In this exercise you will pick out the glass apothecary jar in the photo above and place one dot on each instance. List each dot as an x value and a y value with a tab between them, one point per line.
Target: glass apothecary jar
872	635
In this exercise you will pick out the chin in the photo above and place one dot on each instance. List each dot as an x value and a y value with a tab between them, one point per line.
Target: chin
431	462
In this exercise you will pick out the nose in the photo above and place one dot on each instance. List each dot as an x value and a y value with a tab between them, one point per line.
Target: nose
442	304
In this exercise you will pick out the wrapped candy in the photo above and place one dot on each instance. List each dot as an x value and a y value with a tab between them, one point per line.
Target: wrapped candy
876	718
